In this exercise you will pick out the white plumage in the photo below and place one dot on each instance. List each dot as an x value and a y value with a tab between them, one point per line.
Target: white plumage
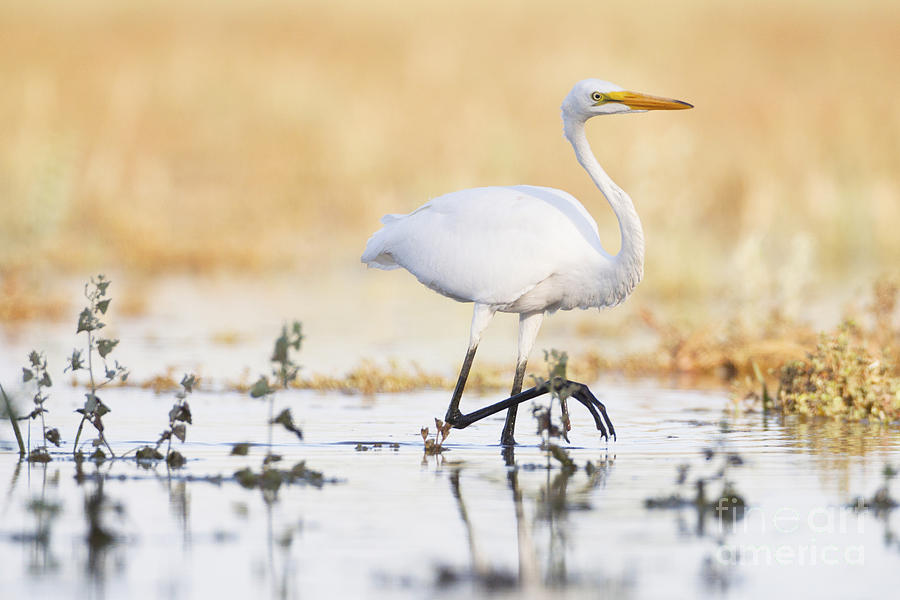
523	249
498	246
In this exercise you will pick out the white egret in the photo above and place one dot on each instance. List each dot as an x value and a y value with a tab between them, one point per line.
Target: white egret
524	249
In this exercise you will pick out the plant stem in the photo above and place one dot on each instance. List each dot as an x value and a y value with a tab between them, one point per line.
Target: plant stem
271	408
15	424
90	358
43	425
78	435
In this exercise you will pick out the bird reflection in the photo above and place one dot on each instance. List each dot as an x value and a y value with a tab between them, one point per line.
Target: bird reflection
542	540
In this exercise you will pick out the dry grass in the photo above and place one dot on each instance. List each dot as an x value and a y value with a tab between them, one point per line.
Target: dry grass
368	378
235	136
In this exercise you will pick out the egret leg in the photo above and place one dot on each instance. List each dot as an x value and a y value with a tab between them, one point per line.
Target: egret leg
529	324
480	319
579	391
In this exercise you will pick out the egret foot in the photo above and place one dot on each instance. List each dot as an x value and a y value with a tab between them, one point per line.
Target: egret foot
452	416
579	392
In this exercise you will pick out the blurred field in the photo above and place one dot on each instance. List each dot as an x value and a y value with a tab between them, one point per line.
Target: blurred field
269	138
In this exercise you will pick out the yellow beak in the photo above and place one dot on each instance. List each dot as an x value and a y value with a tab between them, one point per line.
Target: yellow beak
640	101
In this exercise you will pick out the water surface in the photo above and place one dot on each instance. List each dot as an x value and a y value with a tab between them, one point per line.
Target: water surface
399	524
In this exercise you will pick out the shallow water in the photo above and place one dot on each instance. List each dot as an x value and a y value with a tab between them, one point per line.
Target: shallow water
463	524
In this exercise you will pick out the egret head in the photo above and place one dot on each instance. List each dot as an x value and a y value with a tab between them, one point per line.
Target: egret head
592	97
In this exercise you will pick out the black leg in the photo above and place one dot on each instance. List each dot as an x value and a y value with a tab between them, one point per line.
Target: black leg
453	410
579	391
507	436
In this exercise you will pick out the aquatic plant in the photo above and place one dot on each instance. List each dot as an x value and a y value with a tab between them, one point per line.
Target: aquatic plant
179	418
89	322
269	479
285	371
435	444
37	372
547	427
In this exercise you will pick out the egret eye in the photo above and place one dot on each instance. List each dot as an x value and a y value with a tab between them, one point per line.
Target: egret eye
596	96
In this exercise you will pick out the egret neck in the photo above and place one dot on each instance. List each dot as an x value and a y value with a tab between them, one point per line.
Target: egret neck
629	262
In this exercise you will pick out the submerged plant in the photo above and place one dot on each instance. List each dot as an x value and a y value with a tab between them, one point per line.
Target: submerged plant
37	372
89	322
179	418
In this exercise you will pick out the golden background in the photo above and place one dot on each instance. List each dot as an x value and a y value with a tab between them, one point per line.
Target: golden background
268	138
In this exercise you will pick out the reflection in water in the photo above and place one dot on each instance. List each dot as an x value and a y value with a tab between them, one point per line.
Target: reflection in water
180	506
481	570
837	445
529	573
553	503
526	530
45	511
101	538
281	568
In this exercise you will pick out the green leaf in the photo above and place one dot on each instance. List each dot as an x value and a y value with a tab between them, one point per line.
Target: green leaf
298	335
182	414
260	388
246	478
102	409
93	405
280	354
271	479
105	346
286	420
91	402
188	382
179	431
85	321
52	436
27	375
75	362
148	453
286	341
103	305
240	449
45	380
175	459
102	283
35	359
